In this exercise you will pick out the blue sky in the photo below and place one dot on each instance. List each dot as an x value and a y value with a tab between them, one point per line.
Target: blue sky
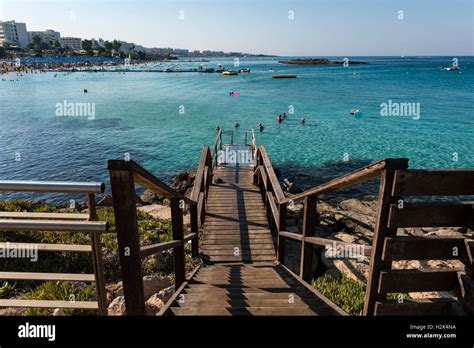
319	27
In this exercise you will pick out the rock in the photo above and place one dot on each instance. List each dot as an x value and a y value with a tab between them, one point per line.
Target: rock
117	307
166	293
11	311
150	197
446	232
367	208
158	211
106	201
154	305
183	181
58	312
153	284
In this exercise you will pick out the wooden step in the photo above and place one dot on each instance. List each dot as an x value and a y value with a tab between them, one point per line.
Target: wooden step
224	302
244	311
242	259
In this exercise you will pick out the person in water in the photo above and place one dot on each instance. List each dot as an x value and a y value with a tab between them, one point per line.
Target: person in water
237	125
302	120
280	119
260	127
218	128
284	115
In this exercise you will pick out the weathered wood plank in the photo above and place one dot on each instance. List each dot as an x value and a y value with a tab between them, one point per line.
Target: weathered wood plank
422	248
417	280
444	182
441	306
431	215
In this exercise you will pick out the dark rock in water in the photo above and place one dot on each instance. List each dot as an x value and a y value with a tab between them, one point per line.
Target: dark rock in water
302	174
106	201
182	182
150	197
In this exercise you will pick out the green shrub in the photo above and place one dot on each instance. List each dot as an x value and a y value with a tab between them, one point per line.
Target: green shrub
7	290
344	292
347	293
61	291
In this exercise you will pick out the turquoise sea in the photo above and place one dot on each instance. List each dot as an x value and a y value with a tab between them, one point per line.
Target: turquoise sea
163	119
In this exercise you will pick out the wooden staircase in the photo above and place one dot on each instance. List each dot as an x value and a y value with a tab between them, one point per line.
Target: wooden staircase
260	288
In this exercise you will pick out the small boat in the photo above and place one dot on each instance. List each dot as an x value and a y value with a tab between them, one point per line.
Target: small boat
244	70
230	72
284	76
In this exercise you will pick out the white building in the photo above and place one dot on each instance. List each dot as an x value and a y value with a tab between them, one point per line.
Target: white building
48	36
14	34
75	43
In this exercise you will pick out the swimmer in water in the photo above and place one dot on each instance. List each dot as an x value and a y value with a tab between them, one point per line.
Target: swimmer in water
85	90
218	128
279	119
260	127
237	125
284	115
302	120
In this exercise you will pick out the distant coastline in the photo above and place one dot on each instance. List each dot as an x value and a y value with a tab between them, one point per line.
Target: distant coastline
320	61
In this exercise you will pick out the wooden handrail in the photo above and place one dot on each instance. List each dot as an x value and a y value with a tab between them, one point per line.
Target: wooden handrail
216	146
144	178
276	188
123	176
367	173
276	203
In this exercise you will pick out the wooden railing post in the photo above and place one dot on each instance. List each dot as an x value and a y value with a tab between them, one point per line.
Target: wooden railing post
309	222
178	252
194	228
281	227
381	231
123	195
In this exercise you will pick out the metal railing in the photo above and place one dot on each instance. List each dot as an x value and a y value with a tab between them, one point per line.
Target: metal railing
58	222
